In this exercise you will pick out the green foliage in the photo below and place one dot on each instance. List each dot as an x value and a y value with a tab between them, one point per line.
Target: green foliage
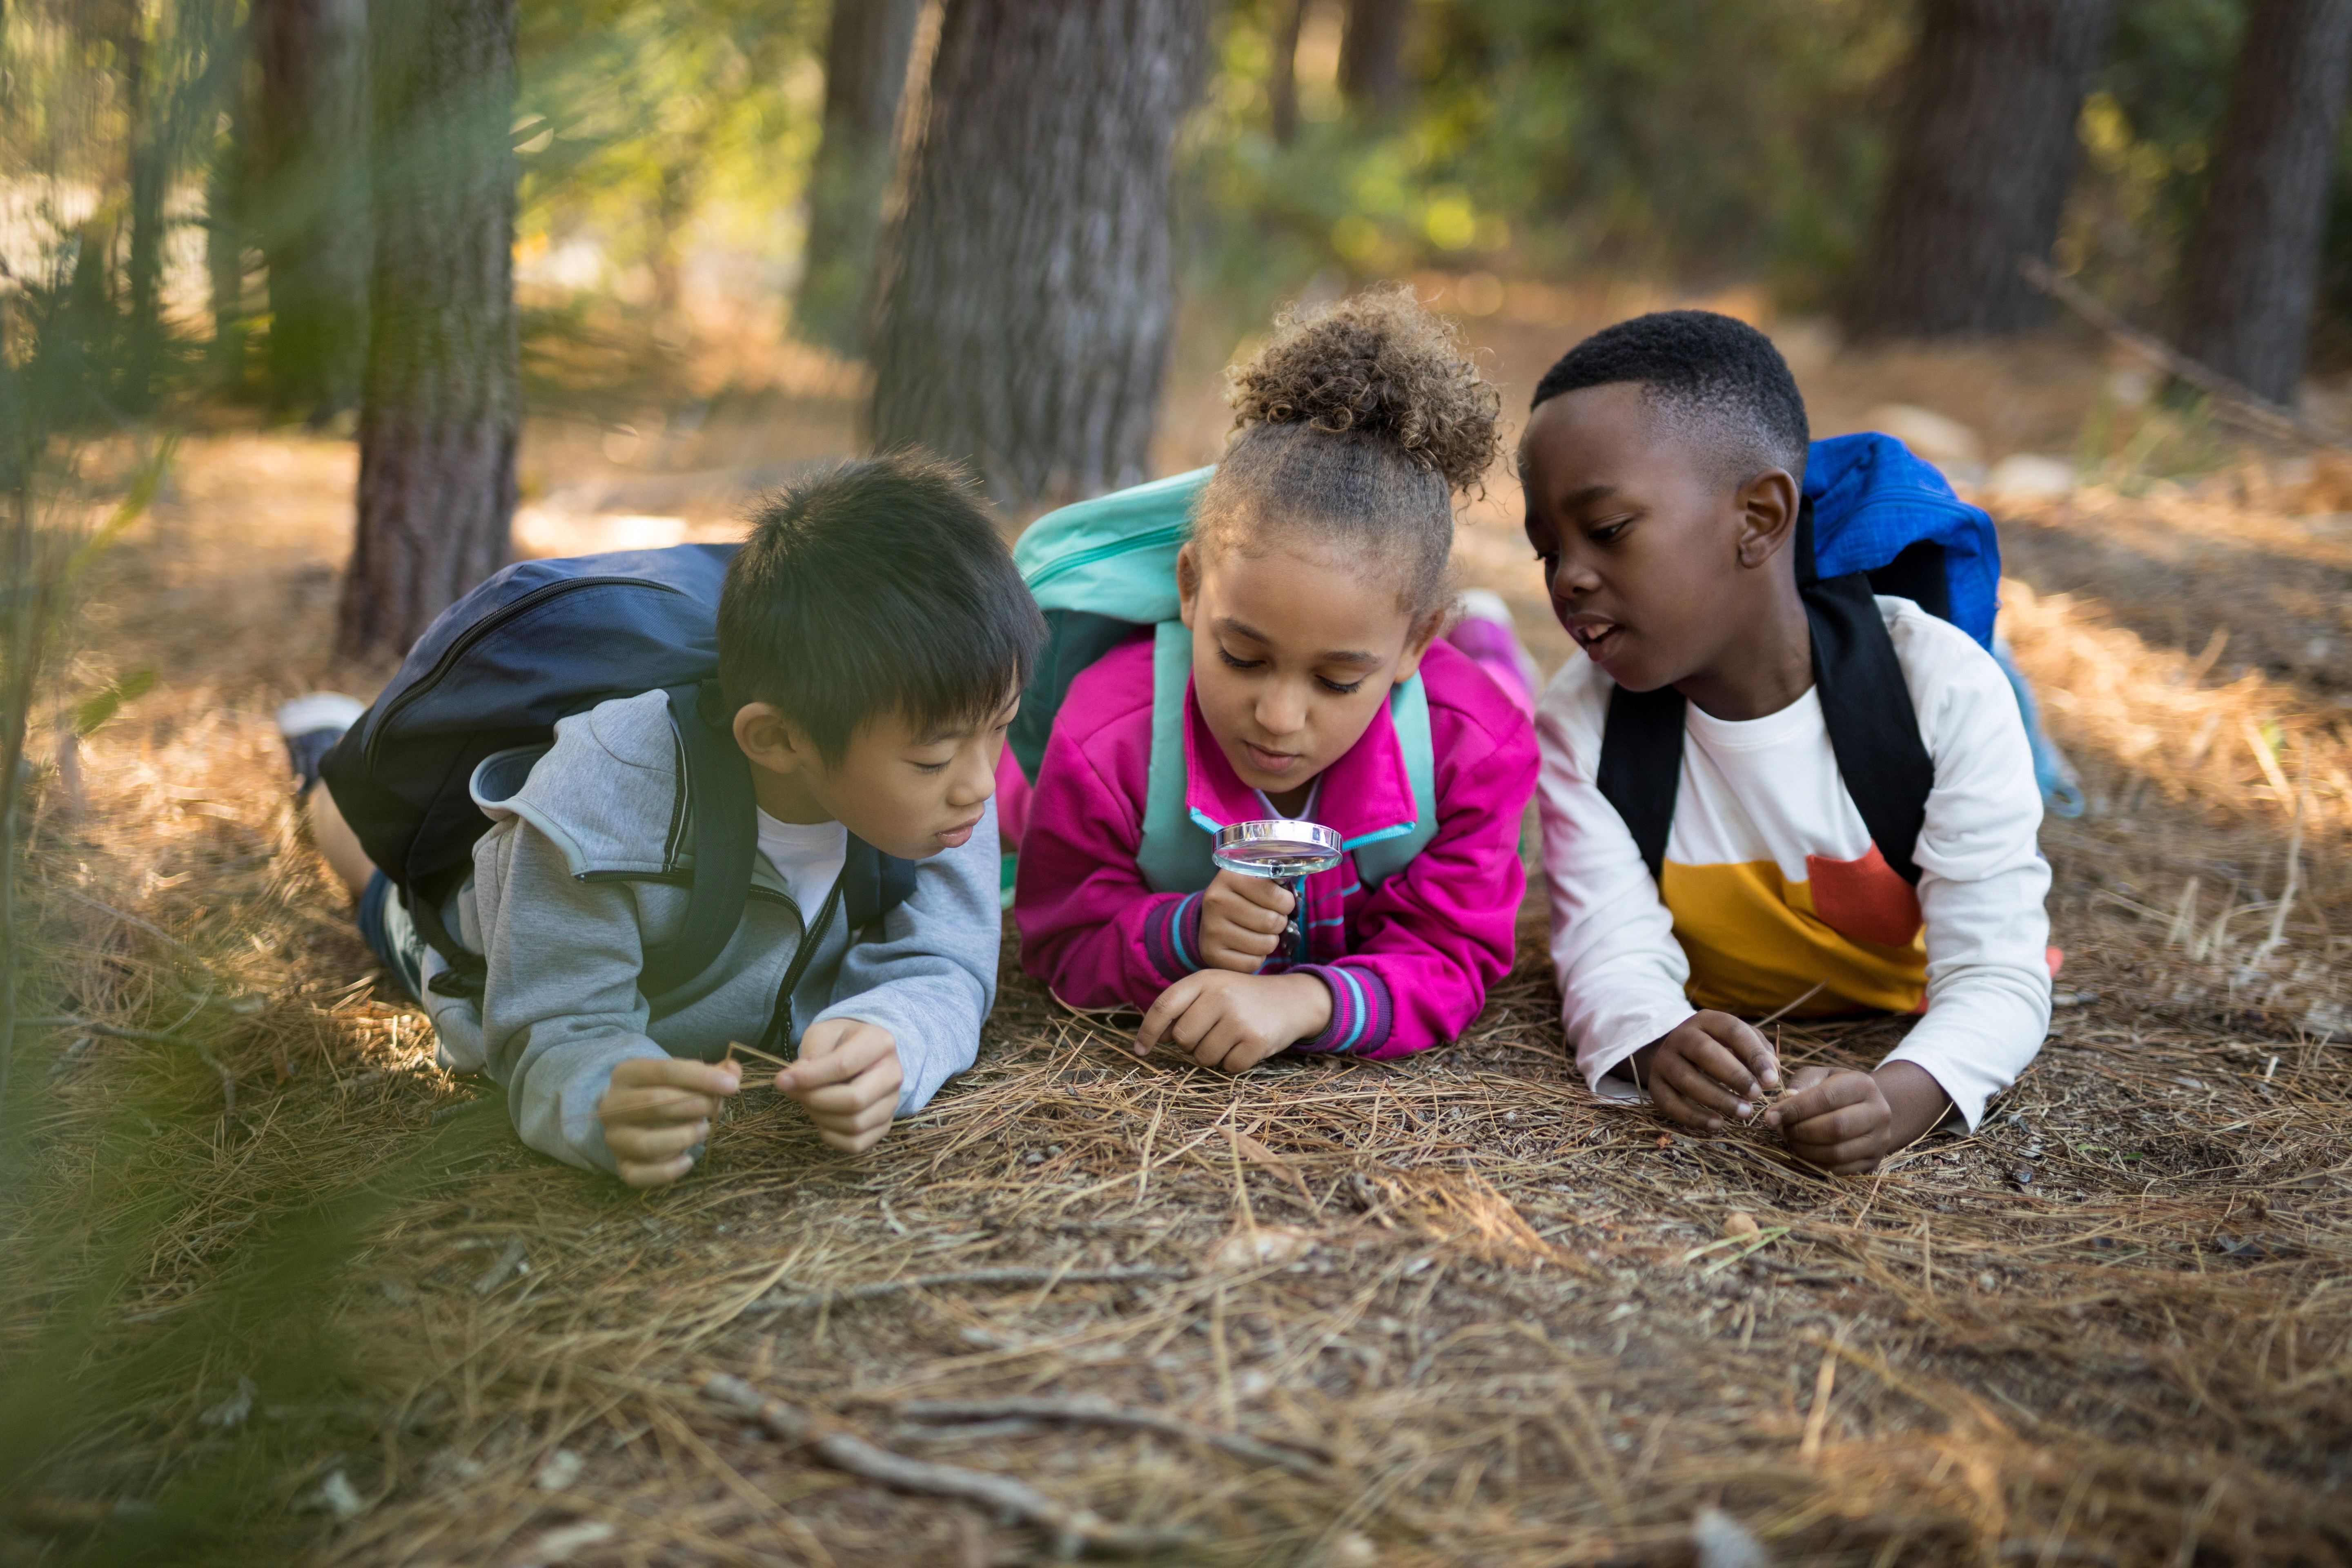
1702	139
638	118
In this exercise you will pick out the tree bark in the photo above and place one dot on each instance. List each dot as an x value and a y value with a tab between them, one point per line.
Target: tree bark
1985	152
1371	53
2252	267
1282	71
442	405
1028	292
313	200
865	51
144	332
226	180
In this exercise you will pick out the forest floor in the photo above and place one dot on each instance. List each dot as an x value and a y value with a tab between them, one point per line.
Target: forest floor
273	1286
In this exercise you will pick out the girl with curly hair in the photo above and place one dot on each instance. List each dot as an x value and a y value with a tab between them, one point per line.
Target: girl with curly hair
1321	688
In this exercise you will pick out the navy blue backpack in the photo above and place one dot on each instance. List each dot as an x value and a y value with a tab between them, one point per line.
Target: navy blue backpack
538	642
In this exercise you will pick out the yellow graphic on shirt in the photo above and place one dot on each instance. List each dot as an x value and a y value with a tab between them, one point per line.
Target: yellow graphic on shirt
1755	944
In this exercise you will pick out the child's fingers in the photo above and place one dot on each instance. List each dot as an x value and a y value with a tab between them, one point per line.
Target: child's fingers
1668	1099
852	1054
1746	1042
1223	1037
659	1174
655	1144
655	1107
1256	918
1259	892
719	1079
1710	1074
864	1119
1165	1009
877	1085
1820	1095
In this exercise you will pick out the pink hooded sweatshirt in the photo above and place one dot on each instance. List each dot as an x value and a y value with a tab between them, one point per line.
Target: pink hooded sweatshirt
1408	964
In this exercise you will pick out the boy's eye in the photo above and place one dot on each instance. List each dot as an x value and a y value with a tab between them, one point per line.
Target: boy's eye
1233	663
939	767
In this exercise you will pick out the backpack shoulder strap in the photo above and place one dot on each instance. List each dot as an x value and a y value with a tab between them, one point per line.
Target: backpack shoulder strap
715	799
1866	706
1640	767
1380	858
873	884
1174	853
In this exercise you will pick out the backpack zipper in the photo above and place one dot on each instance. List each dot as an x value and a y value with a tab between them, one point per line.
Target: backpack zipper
1077	558
476	633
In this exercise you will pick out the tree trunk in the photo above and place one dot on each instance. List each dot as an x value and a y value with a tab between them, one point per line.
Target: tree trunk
1984	153
2252	267
442	405
225	233
1371	53
866	52
144	333
1282	71
312	199
1028	292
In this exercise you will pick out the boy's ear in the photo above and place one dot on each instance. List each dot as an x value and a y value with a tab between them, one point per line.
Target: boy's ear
1188	580
1767	516
769	741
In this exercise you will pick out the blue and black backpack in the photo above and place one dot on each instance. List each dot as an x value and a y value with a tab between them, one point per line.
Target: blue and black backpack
484	686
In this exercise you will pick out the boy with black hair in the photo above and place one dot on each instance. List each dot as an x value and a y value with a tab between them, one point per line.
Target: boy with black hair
1664	467
873	640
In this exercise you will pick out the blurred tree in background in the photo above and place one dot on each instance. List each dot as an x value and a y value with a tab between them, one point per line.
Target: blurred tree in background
1028	293
308	199
2251	271
867	46
442	404
1984	156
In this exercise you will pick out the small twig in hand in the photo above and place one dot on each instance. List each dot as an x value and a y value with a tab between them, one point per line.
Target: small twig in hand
1097	1412
734	1046
1792	1007
1072	1530
783	1302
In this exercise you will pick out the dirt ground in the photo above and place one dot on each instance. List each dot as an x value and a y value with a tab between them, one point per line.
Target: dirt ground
1447	1310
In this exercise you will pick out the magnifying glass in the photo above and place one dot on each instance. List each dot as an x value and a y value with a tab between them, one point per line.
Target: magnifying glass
1285	851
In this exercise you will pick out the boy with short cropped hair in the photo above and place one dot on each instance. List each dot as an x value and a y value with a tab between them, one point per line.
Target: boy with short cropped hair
873	640
1664	465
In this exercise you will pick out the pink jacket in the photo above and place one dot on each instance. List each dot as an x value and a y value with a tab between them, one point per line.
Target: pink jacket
1407	962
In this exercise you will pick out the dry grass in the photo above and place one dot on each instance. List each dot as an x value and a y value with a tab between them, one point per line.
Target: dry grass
1486	1316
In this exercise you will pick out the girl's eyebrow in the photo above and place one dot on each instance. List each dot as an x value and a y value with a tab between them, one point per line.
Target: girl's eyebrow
1341	655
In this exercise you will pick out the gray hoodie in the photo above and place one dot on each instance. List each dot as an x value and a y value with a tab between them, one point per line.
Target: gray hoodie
581	873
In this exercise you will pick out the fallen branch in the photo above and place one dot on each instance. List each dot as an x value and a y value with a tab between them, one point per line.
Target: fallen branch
2249	407
839	1294
1071	1529
1097	1412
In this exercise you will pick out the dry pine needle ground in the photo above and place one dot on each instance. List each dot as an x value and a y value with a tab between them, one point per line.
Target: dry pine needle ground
1447	1310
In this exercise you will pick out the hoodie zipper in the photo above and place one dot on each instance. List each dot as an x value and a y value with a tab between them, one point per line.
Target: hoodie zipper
475	634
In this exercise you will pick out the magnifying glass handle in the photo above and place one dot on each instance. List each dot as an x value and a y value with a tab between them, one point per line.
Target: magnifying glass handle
1294	936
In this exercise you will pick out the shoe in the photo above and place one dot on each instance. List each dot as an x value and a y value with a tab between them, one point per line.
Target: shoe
310	726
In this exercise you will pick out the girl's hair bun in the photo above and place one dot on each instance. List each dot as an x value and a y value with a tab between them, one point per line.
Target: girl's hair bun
1377	365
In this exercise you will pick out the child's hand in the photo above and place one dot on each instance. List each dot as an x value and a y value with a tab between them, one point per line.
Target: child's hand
657	1110
1708	1067
848	1081
1847	1121
1232	1022
1241	920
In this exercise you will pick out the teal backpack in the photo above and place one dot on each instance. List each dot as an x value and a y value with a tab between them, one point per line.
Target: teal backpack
1102	571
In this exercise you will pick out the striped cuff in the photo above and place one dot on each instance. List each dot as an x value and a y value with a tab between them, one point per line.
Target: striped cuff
1361	1011
1172	937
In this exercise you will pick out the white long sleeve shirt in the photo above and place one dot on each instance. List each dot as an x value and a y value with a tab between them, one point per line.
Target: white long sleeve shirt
1771	884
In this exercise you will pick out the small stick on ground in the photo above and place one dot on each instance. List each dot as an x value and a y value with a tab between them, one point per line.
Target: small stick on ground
1100	1412
1071	1529
841	1294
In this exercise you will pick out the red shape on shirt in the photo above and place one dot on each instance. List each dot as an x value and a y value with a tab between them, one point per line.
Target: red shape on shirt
1863	898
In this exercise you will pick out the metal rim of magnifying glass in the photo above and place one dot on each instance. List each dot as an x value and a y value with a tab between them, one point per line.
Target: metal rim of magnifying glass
1307	840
